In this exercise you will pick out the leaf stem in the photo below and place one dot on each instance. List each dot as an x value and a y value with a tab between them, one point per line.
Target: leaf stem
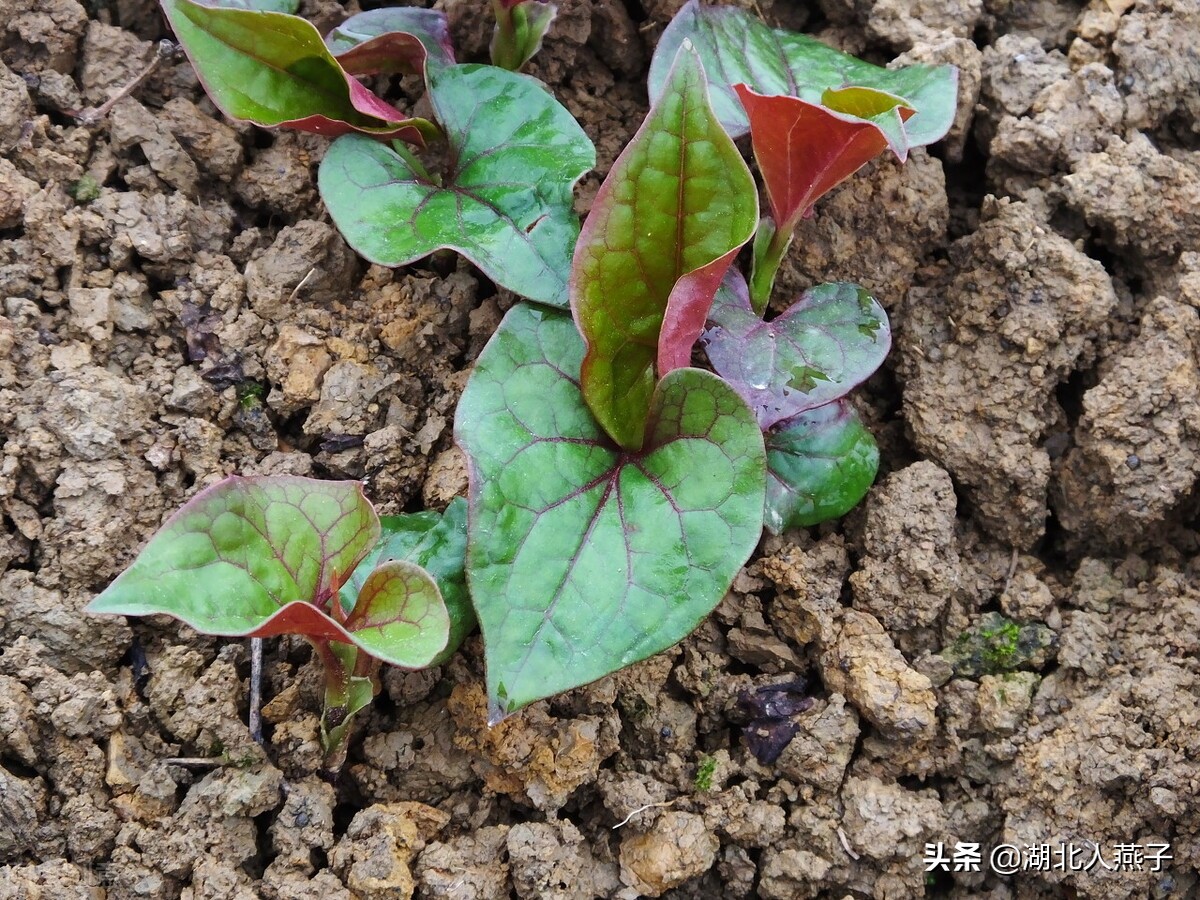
770	246
505	48
405	152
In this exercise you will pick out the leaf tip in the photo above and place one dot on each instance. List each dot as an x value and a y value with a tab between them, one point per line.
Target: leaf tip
499	708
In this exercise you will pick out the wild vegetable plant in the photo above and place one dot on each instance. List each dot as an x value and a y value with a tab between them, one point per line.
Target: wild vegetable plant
259	557
513	153
616	489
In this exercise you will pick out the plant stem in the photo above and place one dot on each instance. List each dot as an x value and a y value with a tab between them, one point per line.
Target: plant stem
770	246
504	50
256	661
414	163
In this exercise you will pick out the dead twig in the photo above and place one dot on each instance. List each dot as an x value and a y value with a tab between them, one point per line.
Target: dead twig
93	114
303	282
256	661
197	762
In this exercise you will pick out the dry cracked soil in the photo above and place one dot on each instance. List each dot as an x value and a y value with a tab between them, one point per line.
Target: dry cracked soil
1001	646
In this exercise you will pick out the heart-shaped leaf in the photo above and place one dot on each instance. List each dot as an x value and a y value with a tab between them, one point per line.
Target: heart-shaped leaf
506	205
437	542
829	341
273	69
805	149
392	40
678	204
257	557
819	466
738	48
583	558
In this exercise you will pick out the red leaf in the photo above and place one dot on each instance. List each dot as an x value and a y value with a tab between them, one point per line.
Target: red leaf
804	150
687	309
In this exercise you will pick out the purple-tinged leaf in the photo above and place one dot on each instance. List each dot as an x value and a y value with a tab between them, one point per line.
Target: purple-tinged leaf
392	40
272	69
506	205
399	616
583	558
678	200
819	466
804	150
738	48
829	341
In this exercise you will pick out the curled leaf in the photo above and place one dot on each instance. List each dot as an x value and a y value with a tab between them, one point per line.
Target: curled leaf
257	557
805	149
235	557
738	48
437	542
670	216
273	69
399	616
520	27
392	40
819	466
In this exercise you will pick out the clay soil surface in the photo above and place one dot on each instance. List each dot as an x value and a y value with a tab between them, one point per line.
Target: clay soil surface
1002	646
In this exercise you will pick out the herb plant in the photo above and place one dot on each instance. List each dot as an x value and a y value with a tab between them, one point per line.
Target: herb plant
615	487
258	557
513	153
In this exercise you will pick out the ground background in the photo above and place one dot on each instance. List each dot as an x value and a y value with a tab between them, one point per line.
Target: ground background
1003	644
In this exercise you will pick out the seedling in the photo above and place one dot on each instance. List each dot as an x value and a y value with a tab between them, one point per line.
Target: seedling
520	27
611	509
504	200
259	557
615	489
815	115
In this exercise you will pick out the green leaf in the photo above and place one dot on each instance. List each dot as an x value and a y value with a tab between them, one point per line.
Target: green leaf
672	213
274	70
506	204
583	558
392	40
399	616
738	48
248	556
437	542
819	466
257	557
519	30
829	341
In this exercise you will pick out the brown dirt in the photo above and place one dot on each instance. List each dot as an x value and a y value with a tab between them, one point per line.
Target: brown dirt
1040	431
